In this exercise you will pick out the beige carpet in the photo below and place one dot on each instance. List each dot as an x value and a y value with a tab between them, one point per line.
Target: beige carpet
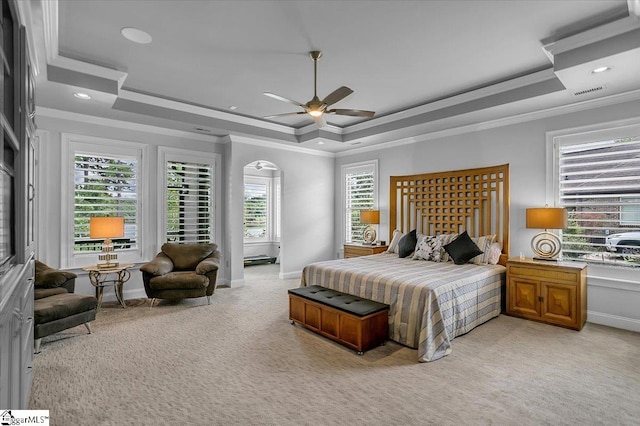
240	362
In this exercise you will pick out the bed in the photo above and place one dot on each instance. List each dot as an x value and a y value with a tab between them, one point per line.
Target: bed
432	302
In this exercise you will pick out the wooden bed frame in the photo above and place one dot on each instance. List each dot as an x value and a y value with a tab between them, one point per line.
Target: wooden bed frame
475	200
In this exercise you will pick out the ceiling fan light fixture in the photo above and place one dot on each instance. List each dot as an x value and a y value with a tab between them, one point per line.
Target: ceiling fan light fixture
136	35
316	108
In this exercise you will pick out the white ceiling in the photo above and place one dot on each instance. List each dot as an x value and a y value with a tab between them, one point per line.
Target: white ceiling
415	63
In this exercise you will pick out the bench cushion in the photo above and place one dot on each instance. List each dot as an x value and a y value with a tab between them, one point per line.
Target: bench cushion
345	302
62	305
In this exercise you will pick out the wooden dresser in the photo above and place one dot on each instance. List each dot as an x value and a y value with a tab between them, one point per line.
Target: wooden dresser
547	291
355	250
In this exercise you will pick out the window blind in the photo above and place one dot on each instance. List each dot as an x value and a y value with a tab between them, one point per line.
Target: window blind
359	195
599	185
104	186
189	209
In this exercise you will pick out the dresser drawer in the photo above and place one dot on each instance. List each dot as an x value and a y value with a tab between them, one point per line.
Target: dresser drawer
550	274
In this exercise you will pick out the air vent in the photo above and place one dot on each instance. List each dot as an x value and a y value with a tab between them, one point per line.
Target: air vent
587	91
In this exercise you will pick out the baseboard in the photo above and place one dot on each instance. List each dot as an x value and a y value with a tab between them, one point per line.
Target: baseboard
616	321
290	275
236	283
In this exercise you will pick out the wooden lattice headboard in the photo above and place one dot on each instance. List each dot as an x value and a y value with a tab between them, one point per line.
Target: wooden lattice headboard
475	200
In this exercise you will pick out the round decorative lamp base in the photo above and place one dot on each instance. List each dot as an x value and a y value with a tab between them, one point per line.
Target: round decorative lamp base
369	235
546	246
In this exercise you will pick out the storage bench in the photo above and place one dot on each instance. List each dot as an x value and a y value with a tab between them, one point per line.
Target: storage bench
357	323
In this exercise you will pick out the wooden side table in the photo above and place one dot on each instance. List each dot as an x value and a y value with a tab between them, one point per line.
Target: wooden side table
99	278
547	291
355	250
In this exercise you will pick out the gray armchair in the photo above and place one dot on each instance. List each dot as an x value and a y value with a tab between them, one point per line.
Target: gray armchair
182	271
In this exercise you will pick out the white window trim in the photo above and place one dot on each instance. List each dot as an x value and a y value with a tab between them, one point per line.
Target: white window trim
604	275
89	144
188	156
349	168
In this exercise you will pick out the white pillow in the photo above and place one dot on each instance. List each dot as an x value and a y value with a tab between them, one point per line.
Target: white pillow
484	243
393	245
494	253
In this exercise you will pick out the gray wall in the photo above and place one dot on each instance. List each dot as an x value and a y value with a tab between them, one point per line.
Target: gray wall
613	294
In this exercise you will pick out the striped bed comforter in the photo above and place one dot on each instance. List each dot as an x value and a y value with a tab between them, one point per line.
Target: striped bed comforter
431	303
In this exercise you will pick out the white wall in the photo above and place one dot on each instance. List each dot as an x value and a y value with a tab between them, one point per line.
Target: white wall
307	196
49	179
307	205
613	296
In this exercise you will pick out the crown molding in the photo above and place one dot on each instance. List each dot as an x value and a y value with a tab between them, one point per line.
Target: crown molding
120	124
276	145
500	122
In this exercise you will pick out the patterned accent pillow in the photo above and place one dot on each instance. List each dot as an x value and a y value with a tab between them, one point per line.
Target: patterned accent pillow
431	248
484	243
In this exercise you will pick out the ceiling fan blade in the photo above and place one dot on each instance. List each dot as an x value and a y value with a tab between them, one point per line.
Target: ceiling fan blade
320	120
351	112
284	115
337	95
283	99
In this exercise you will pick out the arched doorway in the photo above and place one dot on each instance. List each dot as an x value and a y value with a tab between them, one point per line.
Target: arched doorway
262	213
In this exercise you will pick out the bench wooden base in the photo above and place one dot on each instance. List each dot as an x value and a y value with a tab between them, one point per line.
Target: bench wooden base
355	332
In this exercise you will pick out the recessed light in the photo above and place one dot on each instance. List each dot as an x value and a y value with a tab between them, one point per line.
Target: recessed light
135	35
600	69
232	107
82	96
320	143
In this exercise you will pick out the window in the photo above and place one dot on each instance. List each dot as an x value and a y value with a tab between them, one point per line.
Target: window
360	193
187	196
104	185
256	209
188	202
598	182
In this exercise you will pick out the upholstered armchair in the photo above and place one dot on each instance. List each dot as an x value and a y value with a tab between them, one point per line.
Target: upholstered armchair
56	306
182	270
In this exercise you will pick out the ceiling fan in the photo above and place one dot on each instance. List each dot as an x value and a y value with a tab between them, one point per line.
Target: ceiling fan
317	108
259	165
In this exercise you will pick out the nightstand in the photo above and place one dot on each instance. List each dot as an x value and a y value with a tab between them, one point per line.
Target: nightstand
356	250
547	291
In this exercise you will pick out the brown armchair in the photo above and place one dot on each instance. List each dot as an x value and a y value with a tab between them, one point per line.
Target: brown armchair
182	271
56	306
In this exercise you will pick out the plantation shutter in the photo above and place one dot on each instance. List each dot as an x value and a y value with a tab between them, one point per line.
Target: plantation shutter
599	184
104	186
360	192
189	209
255	210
